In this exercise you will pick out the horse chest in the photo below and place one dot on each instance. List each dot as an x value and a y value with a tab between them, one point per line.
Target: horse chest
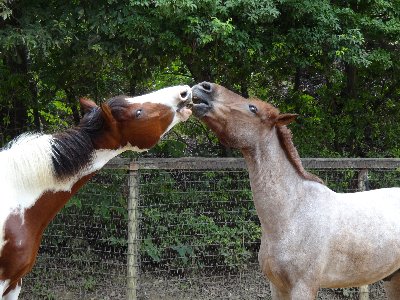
22	230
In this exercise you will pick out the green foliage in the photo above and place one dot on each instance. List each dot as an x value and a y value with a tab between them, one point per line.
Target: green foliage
382	179
349	293
89	283
335	63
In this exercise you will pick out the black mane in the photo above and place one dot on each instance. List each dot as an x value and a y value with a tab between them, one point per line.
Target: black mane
72	149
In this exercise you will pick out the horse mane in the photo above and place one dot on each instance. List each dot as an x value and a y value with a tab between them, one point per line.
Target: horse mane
285	138
72	149
62	154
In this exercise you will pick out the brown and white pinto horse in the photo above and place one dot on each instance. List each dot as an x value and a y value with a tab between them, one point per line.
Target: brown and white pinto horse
312	237
39	173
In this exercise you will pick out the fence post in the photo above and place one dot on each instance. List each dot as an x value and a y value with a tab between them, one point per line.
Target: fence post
362	186
132	255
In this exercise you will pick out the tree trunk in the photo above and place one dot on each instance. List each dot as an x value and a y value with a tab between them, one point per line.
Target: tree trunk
199	69
74	104
244	89
17	63
132	87
351	81
35	106
297	80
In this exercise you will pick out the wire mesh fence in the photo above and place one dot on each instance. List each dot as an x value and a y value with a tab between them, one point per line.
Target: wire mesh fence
173	229
83	252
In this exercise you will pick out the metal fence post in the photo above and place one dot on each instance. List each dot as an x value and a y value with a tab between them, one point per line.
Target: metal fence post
132	255
362	186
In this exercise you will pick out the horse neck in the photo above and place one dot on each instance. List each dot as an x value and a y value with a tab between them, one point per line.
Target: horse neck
50	203
30	169
276	185
37	196
76	176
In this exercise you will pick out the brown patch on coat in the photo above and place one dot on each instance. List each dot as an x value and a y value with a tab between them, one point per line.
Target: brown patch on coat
146	130
23	233
390	277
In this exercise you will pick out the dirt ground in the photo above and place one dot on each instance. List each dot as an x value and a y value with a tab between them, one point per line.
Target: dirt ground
246	285
250	285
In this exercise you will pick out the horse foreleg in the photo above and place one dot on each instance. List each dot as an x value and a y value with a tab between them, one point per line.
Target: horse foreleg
392	286
277	294
298	292
302	291
13	291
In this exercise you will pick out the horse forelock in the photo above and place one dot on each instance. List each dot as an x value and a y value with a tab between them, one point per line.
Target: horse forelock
285	138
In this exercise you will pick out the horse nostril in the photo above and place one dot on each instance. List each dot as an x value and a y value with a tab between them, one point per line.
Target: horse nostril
184	95
206	86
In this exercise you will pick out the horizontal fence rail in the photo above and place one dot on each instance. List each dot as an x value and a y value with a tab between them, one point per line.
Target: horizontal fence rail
181	228
204	163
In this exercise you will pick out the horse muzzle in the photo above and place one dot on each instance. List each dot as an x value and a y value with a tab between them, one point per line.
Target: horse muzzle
202	97
184	108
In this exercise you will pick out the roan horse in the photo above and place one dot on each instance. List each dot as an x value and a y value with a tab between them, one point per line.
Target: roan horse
312	237
39	173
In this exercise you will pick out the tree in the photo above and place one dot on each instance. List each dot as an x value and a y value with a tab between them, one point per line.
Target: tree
336	63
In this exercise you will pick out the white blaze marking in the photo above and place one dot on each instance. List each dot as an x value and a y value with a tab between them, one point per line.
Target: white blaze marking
169	96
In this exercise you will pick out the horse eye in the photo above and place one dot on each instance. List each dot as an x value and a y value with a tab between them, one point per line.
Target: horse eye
253	109
138	113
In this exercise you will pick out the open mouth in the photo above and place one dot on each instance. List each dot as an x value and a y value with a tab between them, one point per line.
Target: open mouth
201	105
199	101
187	104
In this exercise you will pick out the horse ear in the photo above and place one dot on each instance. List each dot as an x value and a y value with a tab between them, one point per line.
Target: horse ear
107	114
285	119
87	104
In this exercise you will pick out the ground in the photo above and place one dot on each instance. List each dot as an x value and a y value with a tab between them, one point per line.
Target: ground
250	286
106	280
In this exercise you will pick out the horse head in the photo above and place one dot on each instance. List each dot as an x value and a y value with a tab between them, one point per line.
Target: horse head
238	122
136	123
